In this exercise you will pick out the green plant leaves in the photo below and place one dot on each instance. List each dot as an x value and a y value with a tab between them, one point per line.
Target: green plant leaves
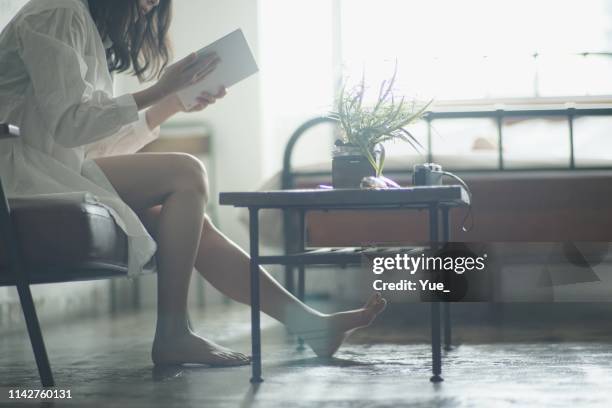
367	126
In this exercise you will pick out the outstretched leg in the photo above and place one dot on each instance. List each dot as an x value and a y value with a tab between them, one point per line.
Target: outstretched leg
226	266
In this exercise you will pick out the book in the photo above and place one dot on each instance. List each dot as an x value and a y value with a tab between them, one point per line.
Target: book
237	63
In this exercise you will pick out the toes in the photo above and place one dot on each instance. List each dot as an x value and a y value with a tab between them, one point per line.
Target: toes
243	357
234	358
373	300
376	303
380	306
236	355
374	307
230	356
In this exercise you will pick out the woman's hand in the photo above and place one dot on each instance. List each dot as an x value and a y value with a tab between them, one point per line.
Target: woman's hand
182	74
204	100
186	72
172	105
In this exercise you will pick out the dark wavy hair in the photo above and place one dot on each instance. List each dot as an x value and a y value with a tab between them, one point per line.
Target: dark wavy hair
140	44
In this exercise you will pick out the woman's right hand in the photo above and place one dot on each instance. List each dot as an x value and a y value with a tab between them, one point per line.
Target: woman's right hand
186	72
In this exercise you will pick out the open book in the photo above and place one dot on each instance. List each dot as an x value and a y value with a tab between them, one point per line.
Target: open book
237	63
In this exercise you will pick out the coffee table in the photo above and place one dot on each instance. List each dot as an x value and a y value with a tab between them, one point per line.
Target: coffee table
437	200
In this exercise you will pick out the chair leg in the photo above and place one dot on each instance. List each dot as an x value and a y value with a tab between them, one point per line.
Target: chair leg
36	338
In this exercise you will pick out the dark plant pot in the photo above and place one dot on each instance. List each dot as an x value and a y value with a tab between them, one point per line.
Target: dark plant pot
349	167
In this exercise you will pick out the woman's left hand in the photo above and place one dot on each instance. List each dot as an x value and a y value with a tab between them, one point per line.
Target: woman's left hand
172	105
204	100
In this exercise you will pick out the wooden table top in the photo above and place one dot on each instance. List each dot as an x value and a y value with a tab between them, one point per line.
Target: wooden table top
419	197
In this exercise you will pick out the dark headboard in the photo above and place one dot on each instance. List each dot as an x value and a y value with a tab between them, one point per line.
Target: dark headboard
289	174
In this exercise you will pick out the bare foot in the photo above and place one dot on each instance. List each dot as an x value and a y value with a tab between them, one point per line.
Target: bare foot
189	348
325	341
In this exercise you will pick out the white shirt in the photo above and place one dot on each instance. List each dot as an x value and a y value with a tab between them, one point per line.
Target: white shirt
55	85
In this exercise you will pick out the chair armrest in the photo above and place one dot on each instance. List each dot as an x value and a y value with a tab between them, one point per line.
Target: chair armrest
8	131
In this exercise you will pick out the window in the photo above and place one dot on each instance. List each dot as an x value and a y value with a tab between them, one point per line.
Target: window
478	49
468	52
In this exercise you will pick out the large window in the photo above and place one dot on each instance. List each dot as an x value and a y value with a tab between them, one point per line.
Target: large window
475	49
459	52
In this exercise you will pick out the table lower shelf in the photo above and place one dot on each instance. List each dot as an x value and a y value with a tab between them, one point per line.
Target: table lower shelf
336	256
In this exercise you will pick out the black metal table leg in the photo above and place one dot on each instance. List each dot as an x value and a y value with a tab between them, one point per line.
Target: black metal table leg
289	246
255	301
436	349
436	346
301	296
448	340
289	280
446	312
301	269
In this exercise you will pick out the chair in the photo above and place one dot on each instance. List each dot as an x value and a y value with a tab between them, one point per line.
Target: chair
53	240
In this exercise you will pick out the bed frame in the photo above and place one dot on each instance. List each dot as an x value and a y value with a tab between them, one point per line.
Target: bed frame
291	178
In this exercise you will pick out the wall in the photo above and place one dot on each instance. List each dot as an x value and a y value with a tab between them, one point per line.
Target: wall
299	71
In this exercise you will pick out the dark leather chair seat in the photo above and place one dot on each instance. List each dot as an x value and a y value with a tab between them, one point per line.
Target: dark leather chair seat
63	240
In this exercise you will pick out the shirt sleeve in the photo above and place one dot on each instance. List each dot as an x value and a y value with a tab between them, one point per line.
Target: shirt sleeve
52	47
129	139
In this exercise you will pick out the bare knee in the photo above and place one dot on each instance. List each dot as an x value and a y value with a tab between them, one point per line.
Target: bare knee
190	175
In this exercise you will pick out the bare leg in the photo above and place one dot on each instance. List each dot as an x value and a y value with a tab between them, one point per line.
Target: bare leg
177	182
226	266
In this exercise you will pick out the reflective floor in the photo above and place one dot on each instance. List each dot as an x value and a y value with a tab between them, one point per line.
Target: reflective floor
105	363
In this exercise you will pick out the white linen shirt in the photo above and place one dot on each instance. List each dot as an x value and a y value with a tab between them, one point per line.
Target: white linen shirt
55	85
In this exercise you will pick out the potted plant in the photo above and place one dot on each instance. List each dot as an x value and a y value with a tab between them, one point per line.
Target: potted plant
366	127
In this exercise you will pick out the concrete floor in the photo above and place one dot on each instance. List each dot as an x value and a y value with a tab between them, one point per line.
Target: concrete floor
105	363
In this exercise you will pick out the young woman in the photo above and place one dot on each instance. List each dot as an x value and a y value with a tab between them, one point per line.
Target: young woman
56	62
